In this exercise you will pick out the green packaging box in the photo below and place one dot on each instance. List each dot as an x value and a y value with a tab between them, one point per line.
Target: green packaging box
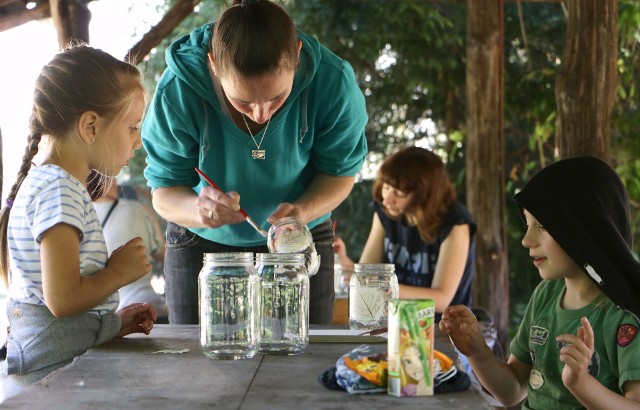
410	347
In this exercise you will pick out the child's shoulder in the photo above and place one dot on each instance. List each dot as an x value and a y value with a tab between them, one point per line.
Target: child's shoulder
46	180
45	175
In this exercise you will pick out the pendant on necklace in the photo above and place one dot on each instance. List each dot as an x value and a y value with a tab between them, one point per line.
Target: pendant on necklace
258	154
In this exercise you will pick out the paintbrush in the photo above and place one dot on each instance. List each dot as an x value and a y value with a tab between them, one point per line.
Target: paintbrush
247	217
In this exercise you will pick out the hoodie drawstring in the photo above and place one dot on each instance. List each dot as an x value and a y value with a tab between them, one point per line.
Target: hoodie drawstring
303	114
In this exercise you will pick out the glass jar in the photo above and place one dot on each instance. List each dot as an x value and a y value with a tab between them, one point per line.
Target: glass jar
338	284
341	277
229	306
371	287
284	316
291	235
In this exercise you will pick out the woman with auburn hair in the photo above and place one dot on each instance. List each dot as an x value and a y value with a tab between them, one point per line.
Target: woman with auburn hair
420	227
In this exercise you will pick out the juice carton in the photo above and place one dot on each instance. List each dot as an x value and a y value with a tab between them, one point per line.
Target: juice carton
410	347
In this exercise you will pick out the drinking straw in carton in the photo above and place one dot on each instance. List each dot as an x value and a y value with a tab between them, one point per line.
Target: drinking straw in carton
410	347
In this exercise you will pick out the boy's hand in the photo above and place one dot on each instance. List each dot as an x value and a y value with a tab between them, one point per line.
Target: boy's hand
576	354
462	327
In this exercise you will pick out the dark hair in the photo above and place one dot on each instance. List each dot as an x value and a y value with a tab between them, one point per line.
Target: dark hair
78	79
252	38
420	172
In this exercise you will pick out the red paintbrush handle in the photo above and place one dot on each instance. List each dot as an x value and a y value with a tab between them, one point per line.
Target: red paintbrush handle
213	184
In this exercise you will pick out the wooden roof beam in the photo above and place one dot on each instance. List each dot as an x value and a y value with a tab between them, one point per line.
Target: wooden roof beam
18	18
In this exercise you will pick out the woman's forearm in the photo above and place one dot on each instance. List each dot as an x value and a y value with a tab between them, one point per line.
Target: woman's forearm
324	195
178	204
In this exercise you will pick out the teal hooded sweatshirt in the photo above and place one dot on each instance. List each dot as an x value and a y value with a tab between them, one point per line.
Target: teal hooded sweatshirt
320	129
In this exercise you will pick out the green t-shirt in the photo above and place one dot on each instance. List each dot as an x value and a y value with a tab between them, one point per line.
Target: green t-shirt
616	356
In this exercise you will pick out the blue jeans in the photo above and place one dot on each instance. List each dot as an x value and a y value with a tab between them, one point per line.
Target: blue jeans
39	343
183	262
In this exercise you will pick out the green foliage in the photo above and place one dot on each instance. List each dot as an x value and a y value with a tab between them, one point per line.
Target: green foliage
408	58
353	218
154	65
626	116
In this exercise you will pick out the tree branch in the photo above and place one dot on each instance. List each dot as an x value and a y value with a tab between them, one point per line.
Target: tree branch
169	22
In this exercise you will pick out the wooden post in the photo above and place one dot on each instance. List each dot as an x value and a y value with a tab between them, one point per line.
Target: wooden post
71	19
485	157
586	85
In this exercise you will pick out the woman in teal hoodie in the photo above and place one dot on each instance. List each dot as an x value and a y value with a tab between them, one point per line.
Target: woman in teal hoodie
275	119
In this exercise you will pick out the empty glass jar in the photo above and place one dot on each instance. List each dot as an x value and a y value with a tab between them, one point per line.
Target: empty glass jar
284	316
229	300
371	287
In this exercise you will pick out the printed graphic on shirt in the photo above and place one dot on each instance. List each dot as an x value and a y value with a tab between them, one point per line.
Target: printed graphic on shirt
538	335
625	335
402	258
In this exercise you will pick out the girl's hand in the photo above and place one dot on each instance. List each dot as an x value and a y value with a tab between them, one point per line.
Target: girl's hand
218	208
576	354
130	261
462	327
136	318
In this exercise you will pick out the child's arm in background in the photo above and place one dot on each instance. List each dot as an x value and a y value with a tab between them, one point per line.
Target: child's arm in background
507	382
576	356
373	251
340	250
67	293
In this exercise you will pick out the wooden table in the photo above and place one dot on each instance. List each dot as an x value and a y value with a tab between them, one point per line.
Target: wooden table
167	370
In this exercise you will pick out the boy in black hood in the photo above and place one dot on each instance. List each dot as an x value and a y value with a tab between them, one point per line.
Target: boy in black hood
576	346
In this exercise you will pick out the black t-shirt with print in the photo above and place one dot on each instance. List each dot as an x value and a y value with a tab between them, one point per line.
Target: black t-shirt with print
415	261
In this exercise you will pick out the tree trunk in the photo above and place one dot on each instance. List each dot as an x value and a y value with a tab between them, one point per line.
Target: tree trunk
485	157
587	82
71	19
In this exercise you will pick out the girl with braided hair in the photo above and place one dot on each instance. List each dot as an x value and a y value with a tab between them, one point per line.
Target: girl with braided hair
62	287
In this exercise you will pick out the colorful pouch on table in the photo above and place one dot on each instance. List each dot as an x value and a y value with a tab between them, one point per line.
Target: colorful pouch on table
363	370
343	377
446	377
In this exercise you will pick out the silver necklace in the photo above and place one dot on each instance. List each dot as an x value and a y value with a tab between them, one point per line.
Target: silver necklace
257	153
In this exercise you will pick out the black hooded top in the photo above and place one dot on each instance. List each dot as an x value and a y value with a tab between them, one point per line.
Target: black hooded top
584	206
